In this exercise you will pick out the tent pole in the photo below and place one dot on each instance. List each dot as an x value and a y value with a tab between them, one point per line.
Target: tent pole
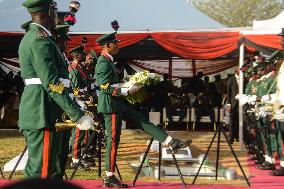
241	87
170	68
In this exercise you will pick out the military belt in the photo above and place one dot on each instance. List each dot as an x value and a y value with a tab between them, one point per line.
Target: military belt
33	81
37	81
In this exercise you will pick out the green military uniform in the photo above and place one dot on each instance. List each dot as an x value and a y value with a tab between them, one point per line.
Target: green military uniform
44	97
265	124
91	69
279	134
79	81
61	33
113	107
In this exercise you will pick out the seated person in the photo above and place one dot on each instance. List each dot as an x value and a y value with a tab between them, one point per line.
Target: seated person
204	108
176	106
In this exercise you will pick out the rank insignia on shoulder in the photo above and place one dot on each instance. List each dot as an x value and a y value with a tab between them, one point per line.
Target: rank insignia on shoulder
76	91
41	33
104	86
57	88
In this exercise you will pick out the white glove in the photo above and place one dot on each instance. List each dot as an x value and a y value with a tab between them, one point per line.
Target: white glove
243	99
265	98
262	112
238	96
66	82
124	91
133	89
252	99
93	85
115	85
81	104
85	123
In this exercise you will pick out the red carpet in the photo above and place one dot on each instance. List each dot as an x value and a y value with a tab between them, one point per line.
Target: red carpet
259	180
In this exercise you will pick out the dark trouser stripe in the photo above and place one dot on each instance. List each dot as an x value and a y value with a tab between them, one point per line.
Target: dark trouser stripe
45	153
76	143
113	142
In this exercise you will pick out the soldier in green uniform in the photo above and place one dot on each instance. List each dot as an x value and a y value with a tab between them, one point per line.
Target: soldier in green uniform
61	37
44	97
112	106
79	83
266	87
90	64
275	96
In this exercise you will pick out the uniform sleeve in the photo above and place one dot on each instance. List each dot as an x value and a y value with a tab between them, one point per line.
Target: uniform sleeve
73	78
103	75
45	67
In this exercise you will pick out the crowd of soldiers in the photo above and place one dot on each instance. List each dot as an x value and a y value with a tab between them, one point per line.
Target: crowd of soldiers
55	86
263	108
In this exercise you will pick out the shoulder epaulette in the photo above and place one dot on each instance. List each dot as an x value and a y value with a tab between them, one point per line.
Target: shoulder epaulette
41	33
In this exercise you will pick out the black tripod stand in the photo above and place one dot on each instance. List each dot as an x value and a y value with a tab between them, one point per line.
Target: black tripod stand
19	160
220	128
159	163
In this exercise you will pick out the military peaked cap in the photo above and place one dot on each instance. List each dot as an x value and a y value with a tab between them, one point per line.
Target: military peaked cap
77	50
38	5
107	38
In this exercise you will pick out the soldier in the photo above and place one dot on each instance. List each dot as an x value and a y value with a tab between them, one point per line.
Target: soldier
61	37
44	97
112	106
79	82
90	64
277	100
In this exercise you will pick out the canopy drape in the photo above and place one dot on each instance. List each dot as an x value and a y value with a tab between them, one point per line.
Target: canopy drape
198	45
126	40
266	40
203	45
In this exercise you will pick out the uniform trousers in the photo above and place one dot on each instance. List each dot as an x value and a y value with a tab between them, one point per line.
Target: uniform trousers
63	150
234	123
43	160
280	139
77	142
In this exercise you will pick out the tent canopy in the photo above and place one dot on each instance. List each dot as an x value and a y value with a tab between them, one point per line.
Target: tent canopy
272	25
215	50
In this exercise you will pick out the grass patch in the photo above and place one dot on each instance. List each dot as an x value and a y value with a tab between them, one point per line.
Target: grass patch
132	145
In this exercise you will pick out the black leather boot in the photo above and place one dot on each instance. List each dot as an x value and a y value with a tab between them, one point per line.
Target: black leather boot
113	182
266	166
176	144
277	172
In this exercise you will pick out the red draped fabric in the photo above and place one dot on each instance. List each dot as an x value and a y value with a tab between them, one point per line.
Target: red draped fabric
266	40
249	48
198	45
126	40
